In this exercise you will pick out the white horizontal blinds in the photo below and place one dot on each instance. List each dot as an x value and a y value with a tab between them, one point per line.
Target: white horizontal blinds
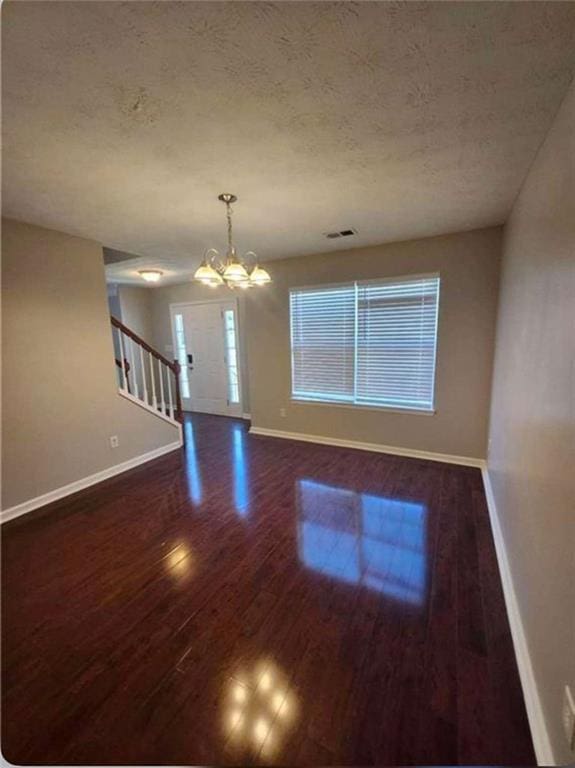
396	339
322	343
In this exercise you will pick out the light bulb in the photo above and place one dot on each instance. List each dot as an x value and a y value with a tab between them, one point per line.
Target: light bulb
260	276
207	275
235	273
151	275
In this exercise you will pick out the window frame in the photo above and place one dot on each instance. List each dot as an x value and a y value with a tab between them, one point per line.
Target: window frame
297	400
228	349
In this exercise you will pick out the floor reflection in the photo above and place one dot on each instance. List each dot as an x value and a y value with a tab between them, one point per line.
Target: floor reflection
241	493
364	539
179	562
192	467
259	708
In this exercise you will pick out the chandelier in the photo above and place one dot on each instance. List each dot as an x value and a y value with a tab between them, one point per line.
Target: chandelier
235	273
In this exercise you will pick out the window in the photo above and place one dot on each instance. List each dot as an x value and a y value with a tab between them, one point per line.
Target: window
322	343
368	343
232	356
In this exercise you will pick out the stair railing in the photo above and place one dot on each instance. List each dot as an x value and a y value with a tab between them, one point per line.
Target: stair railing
126	369
155	381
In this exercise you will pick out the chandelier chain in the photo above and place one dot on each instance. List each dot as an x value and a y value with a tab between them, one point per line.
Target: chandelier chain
229	215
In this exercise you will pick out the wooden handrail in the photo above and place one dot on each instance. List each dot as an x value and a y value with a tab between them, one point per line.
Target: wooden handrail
128	332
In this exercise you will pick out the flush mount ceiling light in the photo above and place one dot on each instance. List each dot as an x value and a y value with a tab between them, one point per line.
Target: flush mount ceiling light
151	275
235	273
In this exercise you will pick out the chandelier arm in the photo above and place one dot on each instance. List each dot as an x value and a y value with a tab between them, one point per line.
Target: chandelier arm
252	257
213	258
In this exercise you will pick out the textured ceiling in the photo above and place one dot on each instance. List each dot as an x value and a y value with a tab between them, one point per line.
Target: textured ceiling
123	121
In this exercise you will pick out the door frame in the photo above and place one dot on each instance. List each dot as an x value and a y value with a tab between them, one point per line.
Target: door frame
232	300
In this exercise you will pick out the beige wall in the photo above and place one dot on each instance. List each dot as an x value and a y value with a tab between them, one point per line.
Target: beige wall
136	310
190	292
469	267
532	432
60	401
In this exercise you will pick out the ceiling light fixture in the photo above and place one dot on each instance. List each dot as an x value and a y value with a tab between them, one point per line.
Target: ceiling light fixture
235	273
151	275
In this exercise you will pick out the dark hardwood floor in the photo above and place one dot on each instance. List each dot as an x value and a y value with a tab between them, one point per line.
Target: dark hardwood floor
261	601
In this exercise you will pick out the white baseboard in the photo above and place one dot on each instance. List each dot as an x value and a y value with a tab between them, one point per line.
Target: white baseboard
247	416
466	461
539	734
86	482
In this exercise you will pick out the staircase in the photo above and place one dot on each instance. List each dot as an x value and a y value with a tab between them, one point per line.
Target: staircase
145	376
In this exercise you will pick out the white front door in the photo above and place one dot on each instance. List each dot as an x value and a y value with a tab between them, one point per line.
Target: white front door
206	346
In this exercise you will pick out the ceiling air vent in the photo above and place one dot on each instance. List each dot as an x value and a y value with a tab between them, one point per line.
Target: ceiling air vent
341	233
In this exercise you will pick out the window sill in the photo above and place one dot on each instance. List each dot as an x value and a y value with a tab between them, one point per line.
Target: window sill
353	407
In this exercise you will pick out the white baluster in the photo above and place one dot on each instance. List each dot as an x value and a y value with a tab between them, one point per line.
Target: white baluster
123	361
170	392
144	383
154	400
133	362
163	404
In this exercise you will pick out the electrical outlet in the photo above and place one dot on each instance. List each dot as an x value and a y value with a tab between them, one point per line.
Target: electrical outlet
569	717
282	412
114	442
